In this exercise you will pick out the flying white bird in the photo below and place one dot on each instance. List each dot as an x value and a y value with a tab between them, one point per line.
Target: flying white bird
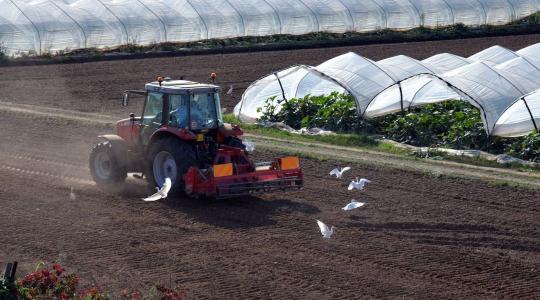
325	231
358	184
72	195
161	193
338	172
230	90
354	204
250	146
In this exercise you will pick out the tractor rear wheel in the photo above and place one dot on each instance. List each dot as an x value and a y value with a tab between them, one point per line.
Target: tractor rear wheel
170	157
105	166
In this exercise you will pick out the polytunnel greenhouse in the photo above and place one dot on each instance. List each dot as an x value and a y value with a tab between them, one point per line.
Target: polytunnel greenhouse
494	80
43	26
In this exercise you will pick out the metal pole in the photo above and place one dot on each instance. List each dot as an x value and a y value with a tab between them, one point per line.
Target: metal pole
281	86
530	114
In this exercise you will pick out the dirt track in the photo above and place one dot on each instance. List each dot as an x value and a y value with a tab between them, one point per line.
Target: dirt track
417	237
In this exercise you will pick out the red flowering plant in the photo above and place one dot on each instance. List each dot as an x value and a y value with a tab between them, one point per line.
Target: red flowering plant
56	284
45	283
165	293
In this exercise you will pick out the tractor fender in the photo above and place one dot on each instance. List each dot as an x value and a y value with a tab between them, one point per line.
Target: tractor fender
228	130
166	131
119	146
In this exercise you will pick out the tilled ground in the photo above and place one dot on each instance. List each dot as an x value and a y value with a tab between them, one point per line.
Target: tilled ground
417	236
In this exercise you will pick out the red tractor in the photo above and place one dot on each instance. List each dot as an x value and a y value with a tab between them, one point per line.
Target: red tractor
181	135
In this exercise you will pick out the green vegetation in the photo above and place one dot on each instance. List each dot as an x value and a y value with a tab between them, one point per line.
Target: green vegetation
455	124
336	112
3	55
452	124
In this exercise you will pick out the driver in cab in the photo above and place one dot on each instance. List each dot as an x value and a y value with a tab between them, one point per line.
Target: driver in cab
179	116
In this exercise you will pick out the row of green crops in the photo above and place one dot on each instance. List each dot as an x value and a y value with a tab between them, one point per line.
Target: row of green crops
452	124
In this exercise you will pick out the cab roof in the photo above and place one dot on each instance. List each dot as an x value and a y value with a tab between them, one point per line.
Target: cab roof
181	87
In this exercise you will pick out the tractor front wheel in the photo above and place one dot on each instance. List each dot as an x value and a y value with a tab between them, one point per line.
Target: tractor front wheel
105	166
170	157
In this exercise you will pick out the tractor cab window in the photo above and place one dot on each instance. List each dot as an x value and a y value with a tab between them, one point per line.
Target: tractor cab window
153	109
203	111
178	108
218	108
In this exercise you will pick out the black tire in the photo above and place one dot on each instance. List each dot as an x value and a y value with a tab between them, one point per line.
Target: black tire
183	155
105	167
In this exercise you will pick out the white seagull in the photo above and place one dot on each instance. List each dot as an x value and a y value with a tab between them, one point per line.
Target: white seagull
354	204
230	90
161	193
72	195
338	172
358	184
250	146
325	231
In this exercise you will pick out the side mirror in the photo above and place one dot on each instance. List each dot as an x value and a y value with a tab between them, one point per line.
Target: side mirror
125	99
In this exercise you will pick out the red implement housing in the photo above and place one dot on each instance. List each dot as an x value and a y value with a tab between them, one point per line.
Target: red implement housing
234	174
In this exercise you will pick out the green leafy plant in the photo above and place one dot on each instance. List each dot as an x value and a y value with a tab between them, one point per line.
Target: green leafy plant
527	147
455	124
3	53
335	112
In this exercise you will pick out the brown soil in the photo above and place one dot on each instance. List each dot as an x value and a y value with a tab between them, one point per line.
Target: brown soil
98	86
417	236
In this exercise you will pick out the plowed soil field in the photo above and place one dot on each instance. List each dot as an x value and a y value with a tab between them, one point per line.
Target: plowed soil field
418	236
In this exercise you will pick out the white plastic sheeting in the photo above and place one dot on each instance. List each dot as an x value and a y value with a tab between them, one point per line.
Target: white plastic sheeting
533	51
494	55
294	82
523	71
491	80
489	87
361	77
521	118
491	90
41	26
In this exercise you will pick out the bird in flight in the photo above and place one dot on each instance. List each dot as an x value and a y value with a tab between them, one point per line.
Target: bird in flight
162	192
325	231
250	146
338	172
72	195
358	184
353	205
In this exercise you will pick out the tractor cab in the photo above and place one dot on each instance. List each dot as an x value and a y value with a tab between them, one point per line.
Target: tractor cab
190	108
183	104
